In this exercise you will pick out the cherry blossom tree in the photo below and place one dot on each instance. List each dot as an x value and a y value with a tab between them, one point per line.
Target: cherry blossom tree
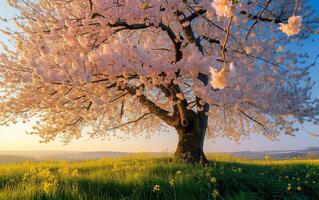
207	68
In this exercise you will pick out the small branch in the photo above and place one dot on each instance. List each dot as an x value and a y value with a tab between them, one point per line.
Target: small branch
89	106
262	19
226	39
80	119
119	97
296	7
254	120
251	28
91	4
194	15
211	40
122	110
129	122
256	21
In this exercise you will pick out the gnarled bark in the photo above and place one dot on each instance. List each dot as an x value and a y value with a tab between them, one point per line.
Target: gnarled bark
190	144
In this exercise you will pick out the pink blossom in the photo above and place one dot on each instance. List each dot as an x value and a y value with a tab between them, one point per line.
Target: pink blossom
222	7
219	79
293	27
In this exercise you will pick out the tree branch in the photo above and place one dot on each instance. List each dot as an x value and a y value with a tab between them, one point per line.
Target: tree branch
243	12
256	21
226	39
262	19
152	107
254	120
129	122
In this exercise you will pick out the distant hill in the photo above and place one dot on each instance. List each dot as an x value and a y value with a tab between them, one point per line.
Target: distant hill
309	153
20	156
55	155
15	159
78	156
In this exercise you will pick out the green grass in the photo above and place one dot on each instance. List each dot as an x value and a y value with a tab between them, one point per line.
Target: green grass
144	177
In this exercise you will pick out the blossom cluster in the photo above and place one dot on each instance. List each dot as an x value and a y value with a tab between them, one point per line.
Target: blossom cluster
86	63
293	27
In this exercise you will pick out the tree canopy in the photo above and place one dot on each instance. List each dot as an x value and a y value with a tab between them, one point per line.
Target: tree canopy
139	66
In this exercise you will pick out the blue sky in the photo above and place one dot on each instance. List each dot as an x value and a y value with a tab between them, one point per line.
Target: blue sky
15	138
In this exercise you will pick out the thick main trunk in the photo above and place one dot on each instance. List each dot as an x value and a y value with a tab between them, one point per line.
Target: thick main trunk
190	144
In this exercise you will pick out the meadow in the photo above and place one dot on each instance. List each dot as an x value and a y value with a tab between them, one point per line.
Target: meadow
147	177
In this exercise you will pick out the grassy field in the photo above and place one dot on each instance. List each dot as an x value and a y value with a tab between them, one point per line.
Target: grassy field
144	177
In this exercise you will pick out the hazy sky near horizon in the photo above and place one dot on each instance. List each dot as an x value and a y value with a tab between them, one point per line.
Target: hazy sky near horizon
15	138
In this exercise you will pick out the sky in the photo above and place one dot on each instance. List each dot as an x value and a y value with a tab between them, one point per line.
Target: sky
14	137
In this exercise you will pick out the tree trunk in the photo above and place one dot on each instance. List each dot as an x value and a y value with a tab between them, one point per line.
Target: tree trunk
190	144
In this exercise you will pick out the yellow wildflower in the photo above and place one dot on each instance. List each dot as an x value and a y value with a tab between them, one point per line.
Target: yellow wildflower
171	182
49	186
75	173
213	180
215	193
156	188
